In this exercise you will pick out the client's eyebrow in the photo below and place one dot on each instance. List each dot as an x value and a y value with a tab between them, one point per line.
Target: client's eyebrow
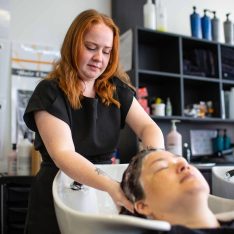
157	160
162	159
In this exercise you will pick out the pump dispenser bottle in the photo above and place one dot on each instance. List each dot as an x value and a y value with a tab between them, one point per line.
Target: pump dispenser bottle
228	30
149	15
174	140
206	26
195	22
215	28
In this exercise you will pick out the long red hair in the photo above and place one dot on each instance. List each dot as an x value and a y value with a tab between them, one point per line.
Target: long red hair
66	68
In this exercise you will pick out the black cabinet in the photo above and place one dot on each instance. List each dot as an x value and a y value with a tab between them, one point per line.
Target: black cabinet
14	201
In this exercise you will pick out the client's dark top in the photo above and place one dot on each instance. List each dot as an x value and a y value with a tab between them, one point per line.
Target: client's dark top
226	228
95	132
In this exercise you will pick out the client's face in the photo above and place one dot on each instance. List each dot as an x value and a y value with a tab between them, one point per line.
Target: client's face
169	183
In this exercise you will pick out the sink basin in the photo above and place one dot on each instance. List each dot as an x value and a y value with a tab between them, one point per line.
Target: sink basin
222	186
91	211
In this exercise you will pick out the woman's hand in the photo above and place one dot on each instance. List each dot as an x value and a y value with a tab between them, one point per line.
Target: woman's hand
118	196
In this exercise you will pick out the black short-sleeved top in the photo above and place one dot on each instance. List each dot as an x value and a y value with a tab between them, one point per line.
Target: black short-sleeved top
95	127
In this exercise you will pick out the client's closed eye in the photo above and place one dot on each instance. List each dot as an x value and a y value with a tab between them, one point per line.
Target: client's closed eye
161	168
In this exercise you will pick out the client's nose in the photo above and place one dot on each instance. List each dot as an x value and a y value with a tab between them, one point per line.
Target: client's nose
182	165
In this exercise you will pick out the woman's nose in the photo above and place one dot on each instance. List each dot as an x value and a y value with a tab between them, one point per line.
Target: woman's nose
182	165
98	56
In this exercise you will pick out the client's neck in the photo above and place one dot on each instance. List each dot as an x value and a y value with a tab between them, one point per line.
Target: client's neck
194	214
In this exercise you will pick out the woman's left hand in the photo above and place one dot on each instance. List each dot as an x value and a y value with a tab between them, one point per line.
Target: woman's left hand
118	196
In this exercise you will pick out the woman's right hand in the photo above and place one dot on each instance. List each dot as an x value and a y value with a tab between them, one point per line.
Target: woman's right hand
118	196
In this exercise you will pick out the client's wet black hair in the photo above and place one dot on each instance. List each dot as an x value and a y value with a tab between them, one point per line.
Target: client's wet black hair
130	183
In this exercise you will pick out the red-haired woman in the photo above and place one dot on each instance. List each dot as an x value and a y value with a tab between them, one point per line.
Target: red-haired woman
77	113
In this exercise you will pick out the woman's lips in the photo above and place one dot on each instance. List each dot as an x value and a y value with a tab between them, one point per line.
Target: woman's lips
94	67
186	176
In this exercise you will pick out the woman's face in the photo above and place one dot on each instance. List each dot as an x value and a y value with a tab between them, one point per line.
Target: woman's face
169	182
95	52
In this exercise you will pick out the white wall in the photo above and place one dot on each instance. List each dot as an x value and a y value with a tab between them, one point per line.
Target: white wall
178	12
46	22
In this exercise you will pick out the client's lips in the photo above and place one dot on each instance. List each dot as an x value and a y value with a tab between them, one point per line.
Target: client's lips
186	176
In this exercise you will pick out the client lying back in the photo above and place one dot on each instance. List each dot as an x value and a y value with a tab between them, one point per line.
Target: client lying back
164	186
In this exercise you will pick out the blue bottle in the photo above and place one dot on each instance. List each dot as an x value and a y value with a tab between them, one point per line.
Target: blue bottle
226	140
206	26
195	23
218	142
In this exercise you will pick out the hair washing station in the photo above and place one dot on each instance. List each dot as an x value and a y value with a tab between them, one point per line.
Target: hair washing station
93	211
223	181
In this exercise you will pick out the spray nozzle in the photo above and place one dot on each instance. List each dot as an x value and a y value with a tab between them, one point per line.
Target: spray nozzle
194	9
174	121
227	15
205	10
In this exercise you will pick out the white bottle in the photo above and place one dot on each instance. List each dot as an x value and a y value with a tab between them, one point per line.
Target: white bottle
161	17
24	156
12	161
149	15
174	140
168	107
231	104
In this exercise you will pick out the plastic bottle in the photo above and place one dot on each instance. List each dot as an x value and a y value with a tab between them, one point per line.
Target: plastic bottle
168	107
24	156
187	152
35	161
161	17
218	142
12	161
226	140
195	23
228	30
206	26
231	103
149	15
174	140
215	28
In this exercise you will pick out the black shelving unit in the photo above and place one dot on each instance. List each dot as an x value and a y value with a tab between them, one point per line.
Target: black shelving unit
186	69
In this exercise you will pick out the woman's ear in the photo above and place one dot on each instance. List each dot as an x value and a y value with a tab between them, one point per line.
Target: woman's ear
143	208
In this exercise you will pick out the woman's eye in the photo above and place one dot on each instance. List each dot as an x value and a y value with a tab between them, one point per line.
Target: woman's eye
106	52
90	47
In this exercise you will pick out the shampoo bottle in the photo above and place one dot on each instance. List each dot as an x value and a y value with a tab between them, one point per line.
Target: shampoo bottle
168	107
149	13
12	160
226	140
215	28
174	140
195	22
206	26
228	30
161	17
24	156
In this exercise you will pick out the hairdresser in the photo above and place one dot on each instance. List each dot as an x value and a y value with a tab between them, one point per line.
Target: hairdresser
77	113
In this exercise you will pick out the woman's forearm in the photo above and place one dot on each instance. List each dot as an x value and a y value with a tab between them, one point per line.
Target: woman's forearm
152	136
81	170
